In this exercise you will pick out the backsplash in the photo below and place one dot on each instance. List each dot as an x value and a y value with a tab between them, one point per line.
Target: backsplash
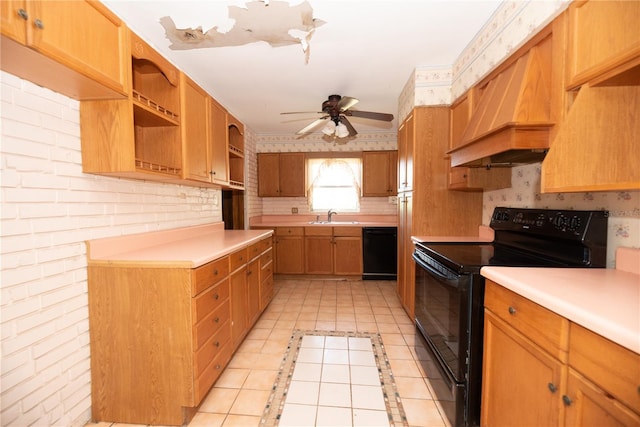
623	206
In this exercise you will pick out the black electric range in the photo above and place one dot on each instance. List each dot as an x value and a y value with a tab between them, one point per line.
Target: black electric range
450	290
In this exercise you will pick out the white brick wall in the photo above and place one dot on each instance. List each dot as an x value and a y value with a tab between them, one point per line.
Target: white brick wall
49	209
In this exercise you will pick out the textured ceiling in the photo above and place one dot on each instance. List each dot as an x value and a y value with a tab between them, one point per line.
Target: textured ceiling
365	49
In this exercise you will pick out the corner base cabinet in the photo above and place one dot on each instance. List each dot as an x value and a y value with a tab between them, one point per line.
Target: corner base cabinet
540	369
162	333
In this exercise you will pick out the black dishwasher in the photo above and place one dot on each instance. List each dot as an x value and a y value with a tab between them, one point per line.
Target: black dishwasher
379	253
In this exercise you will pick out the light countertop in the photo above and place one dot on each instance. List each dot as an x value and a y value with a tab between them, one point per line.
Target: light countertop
606	301
339	220
187	247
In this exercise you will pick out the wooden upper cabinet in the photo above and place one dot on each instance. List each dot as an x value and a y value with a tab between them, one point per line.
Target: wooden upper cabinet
406	134
235	136
195	137
604	43
281	174
75	48
219	143
138	137
379	173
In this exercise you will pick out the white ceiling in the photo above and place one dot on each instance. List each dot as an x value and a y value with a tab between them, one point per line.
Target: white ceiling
366	49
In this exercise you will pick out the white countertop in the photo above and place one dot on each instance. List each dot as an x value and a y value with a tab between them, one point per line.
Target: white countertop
606	301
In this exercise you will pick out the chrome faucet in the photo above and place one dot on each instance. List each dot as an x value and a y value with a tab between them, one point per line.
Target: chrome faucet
330	214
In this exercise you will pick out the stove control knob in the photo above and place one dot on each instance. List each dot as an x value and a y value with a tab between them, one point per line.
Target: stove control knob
560	221
574	223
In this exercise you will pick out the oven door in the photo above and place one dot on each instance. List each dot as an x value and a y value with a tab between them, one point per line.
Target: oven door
442	312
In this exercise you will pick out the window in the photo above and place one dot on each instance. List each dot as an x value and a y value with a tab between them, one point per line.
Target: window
334	184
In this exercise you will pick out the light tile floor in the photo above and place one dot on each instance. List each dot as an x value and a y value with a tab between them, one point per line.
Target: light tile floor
240	395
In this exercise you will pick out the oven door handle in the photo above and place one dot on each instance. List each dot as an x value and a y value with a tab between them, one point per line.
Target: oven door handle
451	277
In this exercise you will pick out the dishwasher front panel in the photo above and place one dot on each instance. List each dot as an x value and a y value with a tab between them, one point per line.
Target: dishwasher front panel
379	252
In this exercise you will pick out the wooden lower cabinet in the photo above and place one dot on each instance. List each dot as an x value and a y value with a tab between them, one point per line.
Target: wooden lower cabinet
518	378
318	249
347	250
162	335
540	369
289	250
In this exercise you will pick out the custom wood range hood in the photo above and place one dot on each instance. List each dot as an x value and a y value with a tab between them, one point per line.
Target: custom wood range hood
511	122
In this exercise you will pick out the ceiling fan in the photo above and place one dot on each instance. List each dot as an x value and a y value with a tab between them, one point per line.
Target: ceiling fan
336	109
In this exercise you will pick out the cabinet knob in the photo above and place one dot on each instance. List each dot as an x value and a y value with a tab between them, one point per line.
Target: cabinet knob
218	367
38	23
216	320
512	310
212	172
217	343
552	387
23	14
216	296
215	272
566	400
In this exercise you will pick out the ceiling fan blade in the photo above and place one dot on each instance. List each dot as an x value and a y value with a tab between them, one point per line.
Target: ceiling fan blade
311	125
370	115
352	130
303	112
347	102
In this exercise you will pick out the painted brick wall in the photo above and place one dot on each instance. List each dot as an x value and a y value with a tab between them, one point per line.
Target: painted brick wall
49	208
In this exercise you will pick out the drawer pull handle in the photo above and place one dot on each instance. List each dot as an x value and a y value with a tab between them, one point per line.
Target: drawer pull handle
552	387
216	320
215	272
216	296
217	344
23	14
566	400
512	310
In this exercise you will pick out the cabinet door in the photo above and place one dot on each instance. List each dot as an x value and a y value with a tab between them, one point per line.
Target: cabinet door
379	170
521	383
347	255
292	175
290	255
406	265
194	130
238	296
268	174
589	406
405	155
83	35
318	254
13	20
219	143
253	289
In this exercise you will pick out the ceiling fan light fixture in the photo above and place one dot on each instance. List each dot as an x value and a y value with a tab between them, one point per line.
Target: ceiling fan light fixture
330	128
342	131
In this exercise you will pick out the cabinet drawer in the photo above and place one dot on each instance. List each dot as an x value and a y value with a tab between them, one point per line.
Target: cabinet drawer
211	324
238	259
254	250
210	299
614	368
265	244
545	328
211	373
266	291
266	258
212	348
347	231
209	274
318	231
290	231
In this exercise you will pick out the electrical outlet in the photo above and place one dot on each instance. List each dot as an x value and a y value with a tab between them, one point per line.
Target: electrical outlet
294	210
